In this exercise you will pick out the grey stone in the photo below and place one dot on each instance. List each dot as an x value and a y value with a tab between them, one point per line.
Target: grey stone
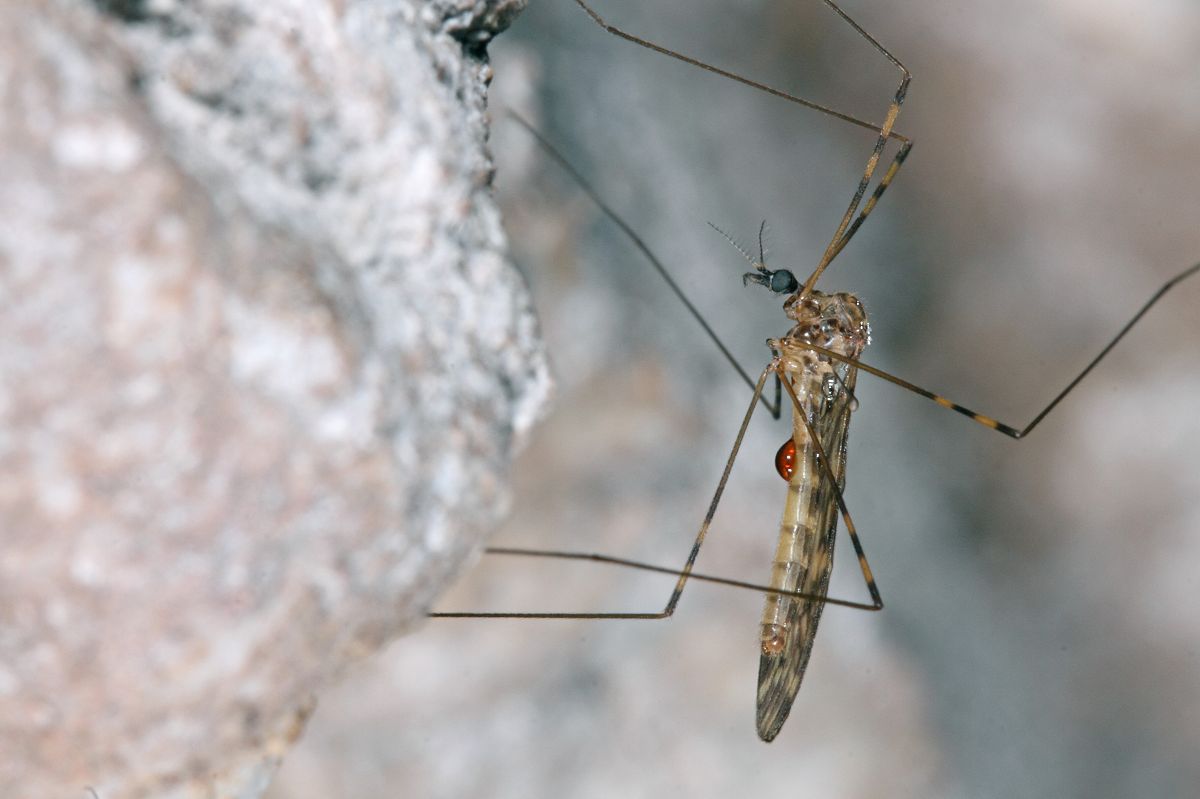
265	365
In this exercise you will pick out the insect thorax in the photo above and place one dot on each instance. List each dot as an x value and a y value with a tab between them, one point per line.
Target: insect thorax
836	322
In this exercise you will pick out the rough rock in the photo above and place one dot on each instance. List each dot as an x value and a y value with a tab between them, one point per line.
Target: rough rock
265	366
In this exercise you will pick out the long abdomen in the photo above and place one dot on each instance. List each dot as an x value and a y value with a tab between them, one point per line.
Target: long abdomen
803	556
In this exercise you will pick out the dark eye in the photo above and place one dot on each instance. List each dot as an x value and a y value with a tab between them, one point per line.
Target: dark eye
783	282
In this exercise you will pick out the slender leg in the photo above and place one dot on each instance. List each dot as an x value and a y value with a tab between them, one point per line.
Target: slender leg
791	98
888	177
686	573
993	424
633	564
837	243
845	229
645	250
683	573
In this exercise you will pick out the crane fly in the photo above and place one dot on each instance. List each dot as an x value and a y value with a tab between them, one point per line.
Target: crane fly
814	367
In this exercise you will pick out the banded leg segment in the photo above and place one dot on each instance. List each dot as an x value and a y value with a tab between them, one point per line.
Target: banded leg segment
993	424
836	244
888	177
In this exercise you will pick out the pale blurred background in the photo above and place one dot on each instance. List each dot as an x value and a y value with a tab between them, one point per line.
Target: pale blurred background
1042	633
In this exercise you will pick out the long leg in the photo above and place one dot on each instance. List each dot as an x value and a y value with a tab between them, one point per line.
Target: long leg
993	424
836	243
848	226
791	98
888	177
645	250
639	565
683	573
687	573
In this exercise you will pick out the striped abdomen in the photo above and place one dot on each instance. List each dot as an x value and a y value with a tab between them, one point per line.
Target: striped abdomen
804	554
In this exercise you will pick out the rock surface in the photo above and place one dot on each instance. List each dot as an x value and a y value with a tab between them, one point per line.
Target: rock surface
265	366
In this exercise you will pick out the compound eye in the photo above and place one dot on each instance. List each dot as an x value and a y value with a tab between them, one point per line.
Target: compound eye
783	282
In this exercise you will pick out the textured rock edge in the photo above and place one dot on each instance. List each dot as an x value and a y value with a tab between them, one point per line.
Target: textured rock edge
266	368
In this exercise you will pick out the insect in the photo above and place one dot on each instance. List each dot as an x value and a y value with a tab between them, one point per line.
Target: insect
814	367
1035	623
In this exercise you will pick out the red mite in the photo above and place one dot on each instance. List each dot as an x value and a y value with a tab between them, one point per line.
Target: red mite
785	459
